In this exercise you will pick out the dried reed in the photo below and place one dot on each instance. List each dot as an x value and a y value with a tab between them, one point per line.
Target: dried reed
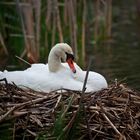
64	21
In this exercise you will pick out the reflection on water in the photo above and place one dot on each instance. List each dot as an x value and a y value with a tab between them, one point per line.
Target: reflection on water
121	59
121	62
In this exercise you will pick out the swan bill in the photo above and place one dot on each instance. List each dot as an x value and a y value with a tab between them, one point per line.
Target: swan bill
71	65
69	60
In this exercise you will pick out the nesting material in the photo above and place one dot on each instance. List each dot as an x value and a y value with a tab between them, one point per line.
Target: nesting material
112	113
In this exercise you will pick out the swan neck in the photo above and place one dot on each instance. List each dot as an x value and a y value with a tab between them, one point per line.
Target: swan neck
54	62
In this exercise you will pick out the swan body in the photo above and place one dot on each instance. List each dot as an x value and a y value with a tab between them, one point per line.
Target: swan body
56	75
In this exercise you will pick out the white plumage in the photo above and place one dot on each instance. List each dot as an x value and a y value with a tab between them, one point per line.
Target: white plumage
55	75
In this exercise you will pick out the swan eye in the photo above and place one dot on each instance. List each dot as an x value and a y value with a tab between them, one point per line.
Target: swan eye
69	56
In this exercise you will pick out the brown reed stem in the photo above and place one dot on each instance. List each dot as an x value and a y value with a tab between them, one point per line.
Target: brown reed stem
37	9
53	28
49	14
83	31
66	12
3	44
22	24
82	106
73	27
112	125
108	17
96	24
2	117
29	26
70	24
58	21
21	59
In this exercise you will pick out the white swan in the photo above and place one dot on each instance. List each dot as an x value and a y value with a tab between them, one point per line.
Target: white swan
56	75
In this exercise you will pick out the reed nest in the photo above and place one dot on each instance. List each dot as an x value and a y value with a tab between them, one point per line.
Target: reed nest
112	113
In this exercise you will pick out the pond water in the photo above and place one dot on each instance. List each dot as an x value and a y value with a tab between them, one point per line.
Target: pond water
120	62
121	58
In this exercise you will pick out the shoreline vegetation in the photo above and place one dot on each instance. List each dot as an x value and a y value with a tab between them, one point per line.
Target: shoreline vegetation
33	26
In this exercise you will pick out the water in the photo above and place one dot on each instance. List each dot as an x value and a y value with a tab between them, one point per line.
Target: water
121	58
121	62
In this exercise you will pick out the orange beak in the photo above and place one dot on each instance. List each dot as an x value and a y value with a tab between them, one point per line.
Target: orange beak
71	65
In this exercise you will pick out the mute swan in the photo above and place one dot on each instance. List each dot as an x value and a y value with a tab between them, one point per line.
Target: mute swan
56	75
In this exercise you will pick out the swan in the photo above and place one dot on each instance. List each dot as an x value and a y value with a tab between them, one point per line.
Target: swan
56	75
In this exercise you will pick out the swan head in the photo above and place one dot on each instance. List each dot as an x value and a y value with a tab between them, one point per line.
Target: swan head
61	51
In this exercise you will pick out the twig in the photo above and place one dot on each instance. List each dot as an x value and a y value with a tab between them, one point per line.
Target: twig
68	127
36	120
32	133
113	126
5	80
21	59
2	117
82	97
32	101
70	102
86	77
58	100
92	129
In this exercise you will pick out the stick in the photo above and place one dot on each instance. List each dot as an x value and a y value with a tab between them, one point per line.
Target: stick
5	80
58	100
2	117
86	77
81	100
21	59
113	126
31	132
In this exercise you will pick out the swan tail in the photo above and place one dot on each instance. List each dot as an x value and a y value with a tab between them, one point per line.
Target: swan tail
2	75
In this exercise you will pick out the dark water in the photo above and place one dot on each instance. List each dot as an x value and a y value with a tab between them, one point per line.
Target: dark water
121	62
121	58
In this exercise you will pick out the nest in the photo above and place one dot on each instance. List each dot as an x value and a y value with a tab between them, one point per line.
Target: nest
112	113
